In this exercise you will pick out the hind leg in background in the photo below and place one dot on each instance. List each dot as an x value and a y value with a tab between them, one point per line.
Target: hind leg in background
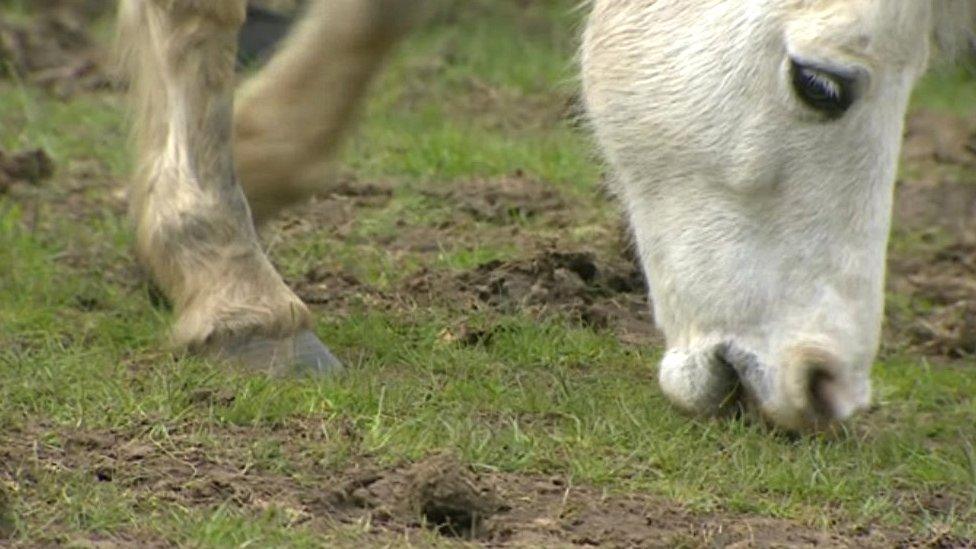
193	225
291	117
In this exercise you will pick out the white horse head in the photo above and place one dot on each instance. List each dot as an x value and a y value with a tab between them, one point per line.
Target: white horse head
755	145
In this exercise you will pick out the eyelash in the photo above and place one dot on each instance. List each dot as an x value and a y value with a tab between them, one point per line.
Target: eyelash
827	85
827	92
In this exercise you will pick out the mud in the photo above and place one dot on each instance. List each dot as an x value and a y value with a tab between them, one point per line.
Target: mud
577	286
932	137
599	287
451	498
932	265
506	200
569	286
439	494
24	167
940	287
56	50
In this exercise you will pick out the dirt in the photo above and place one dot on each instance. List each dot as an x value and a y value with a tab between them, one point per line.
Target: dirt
932	137
56	50
507	200
578	286
440	494
24	167
933	279
599	287
940	286
451	498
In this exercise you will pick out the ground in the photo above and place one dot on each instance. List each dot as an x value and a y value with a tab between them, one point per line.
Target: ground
477	280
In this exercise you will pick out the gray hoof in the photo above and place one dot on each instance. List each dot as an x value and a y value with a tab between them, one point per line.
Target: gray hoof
302	354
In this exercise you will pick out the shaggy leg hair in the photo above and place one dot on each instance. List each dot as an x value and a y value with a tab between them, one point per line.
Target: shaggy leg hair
291	117
193	226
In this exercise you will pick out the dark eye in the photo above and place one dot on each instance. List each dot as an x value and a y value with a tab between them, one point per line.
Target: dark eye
826	91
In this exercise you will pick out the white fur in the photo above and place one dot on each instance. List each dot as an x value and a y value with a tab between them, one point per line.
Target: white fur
760	224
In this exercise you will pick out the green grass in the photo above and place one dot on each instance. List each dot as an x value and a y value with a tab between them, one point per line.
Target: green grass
80	343
948	89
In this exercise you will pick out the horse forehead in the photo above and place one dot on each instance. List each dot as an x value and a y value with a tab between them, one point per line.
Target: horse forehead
885	30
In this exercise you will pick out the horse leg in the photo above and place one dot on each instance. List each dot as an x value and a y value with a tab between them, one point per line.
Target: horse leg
193	226
291	117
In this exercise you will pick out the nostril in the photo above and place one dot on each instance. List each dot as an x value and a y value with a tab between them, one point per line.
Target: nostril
824	393
821	387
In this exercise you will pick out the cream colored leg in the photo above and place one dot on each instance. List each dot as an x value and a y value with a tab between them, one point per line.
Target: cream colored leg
193	226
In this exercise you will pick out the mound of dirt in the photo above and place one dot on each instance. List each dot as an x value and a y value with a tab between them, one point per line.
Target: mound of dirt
438	493
450	497
31	166
576	285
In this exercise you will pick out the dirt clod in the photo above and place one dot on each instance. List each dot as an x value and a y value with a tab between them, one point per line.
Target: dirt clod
594	292
31	166
450	498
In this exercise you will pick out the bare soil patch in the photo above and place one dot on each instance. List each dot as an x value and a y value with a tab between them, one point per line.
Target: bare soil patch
56	50
941	288
551	278
935	277
30	167
507	200
575	286
493	509
600	293
932	137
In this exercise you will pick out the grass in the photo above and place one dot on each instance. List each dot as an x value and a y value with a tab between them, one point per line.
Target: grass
80	342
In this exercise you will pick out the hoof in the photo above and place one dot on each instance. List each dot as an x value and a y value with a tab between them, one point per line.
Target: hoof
302	354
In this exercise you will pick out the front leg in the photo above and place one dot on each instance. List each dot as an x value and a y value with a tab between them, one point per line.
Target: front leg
193	226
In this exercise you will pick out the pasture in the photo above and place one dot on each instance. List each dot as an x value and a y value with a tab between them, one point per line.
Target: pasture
473	275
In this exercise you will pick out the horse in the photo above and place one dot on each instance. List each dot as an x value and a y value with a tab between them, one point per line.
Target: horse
753	147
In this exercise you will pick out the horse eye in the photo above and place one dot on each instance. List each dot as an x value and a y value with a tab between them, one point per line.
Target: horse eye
825	91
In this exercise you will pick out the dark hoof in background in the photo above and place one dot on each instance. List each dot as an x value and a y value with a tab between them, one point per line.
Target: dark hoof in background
262	32
301	355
